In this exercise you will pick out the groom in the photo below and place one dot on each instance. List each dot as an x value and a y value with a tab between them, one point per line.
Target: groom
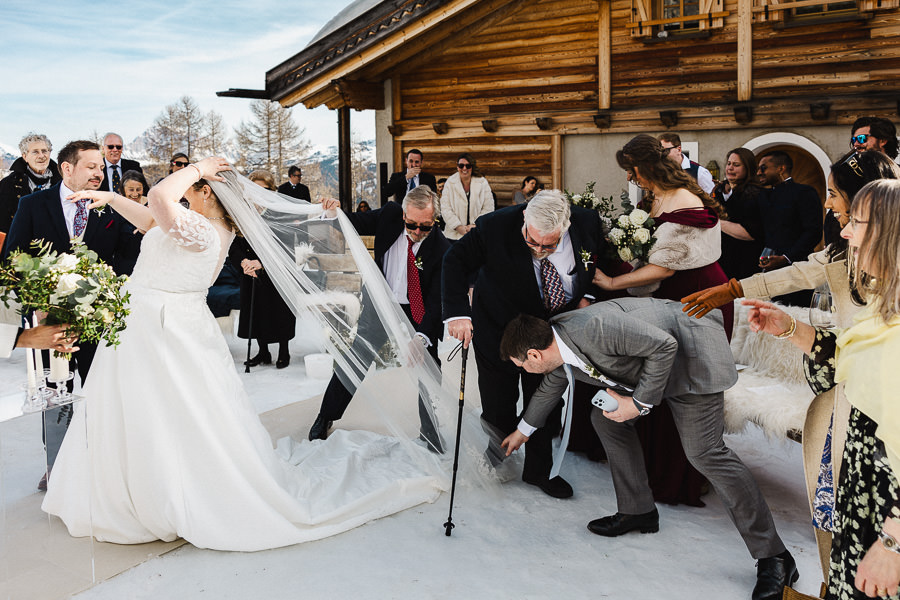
49	216
652	347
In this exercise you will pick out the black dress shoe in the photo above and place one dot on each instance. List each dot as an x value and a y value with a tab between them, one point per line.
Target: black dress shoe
772	574
556	487
282	362
259	359
319	429
618	524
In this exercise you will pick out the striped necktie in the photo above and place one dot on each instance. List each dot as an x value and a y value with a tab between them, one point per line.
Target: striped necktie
551	285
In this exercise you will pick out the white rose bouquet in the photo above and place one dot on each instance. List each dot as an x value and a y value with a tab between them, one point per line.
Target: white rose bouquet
75	288
631	234
587	199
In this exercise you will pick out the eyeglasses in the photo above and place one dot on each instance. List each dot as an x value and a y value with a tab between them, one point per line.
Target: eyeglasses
180	163
419	226
463	166
853	162
113	147
854	222
542	247
859	139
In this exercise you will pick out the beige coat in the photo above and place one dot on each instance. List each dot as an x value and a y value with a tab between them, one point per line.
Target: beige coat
9	327
803	276
453	203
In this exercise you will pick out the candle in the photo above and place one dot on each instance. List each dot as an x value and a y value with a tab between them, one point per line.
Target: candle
32	386
38	359
59	368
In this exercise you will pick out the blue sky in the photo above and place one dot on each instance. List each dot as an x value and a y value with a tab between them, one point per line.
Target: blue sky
70	68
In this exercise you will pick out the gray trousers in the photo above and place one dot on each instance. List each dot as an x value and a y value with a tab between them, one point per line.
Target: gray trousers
700	421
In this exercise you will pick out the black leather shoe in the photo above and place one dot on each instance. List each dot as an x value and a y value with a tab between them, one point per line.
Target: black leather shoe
319	429
556	487
282	362
772	574
618	524
259	359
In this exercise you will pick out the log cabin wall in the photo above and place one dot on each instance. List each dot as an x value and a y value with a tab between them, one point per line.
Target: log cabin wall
533	72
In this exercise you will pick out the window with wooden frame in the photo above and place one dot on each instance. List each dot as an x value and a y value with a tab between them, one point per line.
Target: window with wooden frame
802	10
651	18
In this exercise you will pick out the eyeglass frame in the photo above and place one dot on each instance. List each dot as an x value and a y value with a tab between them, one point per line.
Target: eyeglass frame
180	163
855	139
854	222
542	247
114	146
463	166
421	227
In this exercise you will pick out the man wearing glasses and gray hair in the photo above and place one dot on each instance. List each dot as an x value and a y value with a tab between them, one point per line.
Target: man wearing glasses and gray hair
114	166
537	259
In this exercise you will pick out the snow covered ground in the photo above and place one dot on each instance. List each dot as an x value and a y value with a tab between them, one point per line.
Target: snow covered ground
516	543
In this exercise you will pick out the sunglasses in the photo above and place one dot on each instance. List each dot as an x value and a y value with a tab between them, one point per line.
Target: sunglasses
853	162
859	139
419	226
180	163
113	147
463	166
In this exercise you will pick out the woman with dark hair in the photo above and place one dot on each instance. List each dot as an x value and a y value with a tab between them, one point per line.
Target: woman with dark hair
134	186
864	557
178	162
270	320
467	195
524	194
742	230
363	206
825	428
682	260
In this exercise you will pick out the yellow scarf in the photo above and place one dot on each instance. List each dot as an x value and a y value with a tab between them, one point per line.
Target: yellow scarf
868	362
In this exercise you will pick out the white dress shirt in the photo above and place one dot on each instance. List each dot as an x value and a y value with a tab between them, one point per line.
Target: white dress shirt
564	261
704	177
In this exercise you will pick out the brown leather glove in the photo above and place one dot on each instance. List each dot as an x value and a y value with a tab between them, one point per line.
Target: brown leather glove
700	303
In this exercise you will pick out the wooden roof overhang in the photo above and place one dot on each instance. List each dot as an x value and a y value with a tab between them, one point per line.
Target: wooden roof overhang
348	67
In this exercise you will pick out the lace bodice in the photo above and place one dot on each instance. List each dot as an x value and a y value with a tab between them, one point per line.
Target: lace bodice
186	258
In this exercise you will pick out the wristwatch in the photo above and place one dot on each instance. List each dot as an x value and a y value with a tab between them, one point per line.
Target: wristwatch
642	409
889	542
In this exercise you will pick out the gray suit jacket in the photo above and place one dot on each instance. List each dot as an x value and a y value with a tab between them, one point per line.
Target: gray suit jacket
645	343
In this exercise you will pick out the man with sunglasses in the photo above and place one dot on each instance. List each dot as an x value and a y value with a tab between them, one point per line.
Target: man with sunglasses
292	187
409	250
114	166
537	259
874	133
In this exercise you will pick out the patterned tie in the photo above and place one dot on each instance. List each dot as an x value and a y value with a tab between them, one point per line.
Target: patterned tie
116	180
411	184
81	217
554	294
413	287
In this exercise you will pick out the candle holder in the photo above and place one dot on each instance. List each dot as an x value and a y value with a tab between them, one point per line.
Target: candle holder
59	394
36	399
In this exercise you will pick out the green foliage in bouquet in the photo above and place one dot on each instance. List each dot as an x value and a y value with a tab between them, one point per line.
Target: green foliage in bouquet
587	199
631	234
75	288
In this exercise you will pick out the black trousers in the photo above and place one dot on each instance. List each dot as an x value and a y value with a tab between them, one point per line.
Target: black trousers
498	383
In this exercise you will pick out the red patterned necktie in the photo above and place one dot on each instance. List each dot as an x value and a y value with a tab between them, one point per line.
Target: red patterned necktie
81	217
554	294
413	287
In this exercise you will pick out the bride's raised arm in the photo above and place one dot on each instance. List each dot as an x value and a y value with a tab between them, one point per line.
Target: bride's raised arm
136	214
164	197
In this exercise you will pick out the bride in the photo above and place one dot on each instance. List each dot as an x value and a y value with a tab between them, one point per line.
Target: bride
167	443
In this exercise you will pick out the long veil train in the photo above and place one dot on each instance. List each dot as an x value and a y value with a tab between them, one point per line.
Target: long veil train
324	272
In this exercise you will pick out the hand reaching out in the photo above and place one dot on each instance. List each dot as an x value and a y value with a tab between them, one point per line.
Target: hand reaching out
98	197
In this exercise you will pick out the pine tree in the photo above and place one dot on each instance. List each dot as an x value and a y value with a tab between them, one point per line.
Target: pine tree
271	140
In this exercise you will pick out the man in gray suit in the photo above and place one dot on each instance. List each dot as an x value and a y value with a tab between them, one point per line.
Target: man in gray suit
643	350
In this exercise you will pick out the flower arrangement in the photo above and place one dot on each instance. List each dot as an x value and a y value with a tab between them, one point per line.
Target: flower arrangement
587	199
76	288
632	233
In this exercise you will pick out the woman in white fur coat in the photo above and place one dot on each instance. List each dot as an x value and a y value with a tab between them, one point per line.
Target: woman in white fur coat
467	195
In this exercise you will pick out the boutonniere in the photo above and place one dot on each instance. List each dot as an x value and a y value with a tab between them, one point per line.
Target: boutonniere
100	210
418	263
586	259
593	372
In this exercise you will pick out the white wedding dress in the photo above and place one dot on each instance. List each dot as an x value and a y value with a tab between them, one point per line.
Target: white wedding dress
174	447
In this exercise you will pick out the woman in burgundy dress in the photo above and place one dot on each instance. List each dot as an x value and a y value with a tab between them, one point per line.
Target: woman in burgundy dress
683	260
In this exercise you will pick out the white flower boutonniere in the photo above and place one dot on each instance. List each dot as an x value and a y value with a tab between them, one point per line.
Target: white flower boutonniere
593	372
418	263
586	259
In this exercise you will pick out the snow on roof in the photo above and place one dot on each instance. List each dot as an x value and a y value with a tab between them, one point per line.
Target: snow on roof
349	13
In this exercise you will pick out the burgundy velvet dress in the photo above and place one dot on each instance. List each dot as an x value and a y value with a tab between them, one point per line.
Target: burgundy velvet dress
672	478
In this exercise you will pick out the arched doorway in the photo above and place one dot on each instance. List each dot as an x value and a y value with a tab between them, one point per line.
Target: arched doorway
811	163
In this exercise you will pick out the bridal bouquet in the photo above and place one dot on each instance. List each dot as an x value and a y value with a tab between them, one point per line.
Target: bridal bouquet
587	199
632	234
75	288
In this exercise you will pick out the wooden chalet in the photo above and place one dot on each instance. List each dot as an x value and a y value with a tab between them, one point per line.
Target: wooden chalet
553	88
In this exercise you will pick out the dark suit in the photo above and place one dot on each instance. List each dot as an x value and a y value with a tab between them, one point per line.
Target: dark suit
125	165
398	185
792	226
386	224
506	286
299	191
40	217
653	347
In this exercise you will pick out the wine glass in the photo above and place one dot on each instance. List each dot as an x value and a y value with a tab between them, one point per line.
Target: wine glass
821	310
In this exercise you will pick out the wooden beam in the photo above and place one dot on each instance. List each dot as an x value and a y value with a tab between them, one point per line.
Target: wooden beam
345	173
604	56
361	95
745	51
556	161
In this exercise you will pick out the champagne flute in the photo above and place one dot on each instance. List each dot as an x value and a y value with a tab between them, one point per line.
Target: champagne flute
821	310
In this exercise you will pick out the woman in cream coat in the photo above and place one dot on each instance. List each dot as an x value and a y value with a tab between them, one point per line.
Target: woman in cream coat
467	195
